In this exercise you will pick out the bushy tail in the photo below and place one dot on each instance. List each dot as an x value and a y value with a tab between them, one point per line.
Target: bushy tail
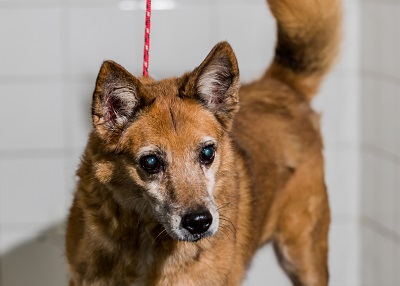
309	33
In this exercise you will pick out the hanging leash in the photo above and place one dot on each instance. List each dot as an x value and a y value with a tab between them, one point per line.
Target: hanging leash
147	40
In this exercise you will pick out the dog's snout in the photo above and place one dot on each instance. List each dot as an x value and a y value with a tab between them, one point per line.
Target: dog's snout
197	222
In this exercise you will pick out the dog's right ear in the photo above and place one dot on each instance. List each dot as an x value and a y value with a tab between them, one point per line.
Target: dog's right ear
215	84
115	100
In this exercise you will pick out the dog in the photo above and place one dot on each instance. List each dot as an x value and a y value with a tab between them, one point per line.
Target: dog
179	186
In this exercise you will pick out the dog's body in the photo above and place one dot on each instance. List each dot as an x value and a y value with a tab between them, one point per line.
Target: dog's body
177	186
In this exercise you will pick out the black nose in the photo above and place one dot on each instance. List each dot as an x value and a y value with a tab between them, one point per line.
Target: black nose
197	222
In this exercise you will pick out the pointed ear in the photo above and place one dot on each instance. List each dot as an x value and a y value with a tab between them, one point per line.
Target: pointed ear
115	100
215	83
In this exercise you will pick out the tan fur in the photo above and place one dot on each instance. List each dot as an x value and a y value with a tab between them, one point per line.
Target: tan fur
265	182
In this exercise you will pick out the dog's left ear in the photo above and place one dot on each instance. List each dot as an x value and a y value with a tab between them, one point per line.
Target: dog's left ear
116	100
215	83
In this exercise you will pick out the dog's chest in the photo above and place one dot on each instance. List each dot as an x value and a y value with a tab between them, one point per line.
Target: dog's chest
138	283
153	263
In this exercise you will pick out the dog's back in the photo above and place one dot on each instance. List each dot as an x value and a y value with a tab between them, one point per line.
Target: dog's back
178	186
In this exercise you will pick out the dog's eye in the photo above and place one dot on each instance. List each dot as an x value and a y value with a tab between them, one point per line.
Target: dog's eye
151	164
207	155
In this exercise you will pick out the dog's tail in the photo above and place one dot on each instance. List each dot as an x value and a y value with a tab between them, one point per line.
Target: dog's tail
309	33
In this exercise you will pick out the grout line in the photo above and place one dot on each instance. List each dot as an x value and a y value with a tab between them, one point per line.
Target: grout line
31	4
333	145
342	218
47	78
40	153
17	79
344	72
40	4
68	76
381	229
382	76
387	155
379	2
181	5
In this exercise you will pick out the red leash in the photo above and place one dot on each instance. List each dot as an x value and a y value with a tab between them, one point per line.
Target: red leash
147	40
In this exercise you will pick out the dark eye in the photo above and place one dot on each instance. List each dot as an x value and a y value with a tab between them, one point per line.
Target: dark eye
207	155
151	164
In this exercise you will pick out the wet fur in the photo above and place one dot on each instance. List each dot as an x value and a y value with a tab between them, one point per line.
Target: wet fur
266	183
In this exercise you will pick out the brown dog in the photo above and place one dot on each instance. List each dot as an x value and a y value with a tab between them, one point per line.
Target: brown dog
177	186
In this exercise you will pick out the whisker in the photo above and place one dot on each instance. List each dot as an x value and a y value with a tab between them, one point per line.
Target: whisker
226	206
227	227
159	235
224	219
227	230
224	233
208	241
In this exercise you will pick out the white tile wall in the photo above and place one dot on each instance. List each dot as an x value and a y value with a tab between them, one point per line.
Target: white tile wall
370	92
396	278
344	252
49	62
338	101
387	114
349	52
379	16
368	257
186	44
396	102
397	204
78	116
380	140
368	185
102	32
379	257
386	193
32	191
343	193
31	41
368	40
380	190
251	33
31	115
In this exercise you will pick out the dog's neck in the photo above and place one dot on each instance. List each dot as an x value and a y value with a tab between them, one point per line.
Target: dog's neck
143	243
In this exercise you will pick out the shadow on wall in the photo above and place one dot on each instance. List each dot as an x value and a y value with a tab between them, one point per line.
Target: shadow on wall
37	262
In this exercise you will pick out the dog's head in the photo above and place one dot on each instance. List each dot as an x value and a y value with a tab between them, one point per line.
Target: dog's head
165	143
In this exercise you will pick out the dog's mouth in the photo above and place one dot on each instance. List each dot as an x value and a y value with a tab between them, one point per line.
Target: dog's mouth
197	237
182	236
193	227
